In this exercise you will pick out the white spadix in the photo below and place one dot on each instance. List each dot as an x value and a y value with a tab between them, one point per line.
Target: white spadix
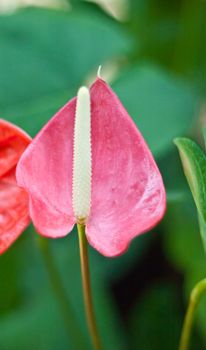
82	157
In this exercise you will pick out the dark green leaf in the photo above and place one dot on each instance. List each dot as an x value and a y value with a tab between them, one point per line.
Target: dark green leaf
46	54
156	319
161	105
36	321
194	165
182	244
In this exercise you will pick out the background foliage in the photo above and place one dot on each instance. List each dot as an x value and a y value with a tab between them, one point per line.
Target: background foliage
155	61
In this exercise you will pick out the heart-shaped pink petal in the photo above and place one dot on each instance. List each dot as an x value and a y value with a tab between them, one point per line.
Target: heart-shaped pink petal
128	195
45	172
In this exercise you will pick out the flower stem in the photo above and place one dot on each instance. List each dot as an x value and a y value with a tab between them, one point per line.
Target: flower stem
73	329
195	296
92	326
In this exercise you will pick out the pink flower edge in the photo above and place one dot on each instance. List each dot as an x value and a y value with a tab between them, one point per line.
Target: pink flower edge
14	214
128	195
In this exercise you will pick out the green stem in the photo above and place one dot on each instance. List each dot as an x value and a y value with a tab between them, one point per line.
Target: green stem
73	329
92	326
195	296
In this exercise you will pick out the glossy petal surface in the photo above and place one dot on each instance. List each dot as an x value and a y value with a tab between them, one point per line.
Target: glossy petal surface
14	215
45	171
128	196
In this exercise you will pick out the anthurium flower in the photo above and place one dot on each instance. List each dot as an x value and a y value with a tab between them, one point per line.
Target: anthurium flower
14	214
90	165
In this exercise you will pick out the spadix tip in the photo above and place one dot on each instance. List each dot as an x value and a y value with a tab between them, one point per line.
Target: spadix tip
99	72
83	91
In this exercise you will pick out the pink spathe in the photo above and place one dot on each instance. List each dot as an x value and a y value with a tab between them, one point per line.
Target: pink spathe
14	214
128	195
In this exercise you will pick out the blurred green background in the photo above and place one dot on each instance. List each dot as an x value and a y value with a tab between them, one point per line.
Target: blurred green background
153	53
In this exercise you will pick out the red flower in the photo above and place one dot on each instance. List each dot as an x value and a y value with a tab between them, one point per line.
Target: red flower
14	214
104	176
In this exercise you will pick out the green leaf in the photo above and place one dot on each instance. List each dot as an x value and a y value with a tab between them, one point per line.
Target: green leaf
36	321
202	225
182	243
204	135
194	165
161	105
34	326
46	55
